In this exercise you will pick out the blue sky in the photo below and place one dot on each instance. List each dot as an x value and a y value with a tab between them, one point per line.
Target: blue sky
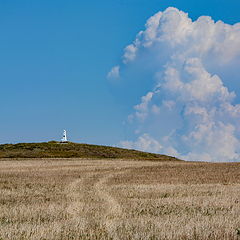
55	56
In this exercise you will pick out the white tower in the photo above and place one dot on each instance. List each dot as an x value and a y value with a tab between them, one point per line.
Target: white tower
64	139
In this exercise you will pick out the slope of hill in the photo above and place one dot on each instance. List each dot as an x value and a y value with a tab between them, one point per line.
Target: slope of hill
73	150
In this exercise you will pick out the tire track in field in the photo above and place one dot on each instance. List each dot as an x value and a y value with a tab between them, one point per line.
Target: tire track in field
113	208
73	191
91	191
91	199
83	203
87	200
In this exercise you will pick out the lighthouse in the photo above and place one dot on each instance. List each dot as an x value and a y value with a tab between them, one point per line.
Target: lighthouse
64	138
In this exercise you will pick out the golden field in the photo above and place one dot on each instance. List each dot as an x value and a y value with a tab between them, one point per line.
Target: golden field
118	199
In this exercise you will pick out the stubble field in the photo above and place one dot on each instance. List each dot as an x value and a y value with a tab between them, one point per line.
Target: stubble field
116	199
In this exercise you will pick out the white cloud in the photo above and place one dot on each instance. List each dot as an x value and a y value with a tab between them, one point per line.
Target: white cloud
130	53
169	104
143	143
142	108
114	73
215	141
193	83
155	109
190	112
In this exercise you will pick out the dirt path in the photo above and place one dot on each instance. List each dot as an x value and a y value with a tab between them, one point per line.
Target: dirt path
92	202
94	187
113	209
91	198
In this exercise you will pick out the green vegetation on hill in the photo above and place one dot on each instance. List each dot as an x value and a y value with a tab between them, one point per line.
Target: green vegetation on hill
73	150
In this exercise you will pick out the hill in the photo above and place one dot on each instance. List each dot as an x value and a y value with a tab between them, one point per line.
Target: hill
73	150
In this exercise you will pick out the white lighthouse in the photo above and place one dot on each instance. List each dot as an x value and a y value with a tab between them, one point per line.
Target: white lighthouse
64	138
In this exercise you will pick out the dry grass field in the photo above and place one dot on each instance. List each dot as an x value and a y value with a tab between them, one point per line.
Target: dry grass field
118	199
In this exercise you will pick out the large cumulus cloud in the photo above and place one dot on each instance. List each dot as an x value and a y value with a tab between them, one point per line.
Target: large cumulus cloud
192	110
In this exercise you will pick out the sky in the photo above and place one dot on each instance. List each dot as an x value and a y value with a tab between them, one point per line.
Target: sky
65	65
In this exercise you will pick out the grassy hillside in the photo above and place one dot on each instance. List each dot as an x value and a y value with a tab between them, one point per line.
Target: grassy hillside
72	150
